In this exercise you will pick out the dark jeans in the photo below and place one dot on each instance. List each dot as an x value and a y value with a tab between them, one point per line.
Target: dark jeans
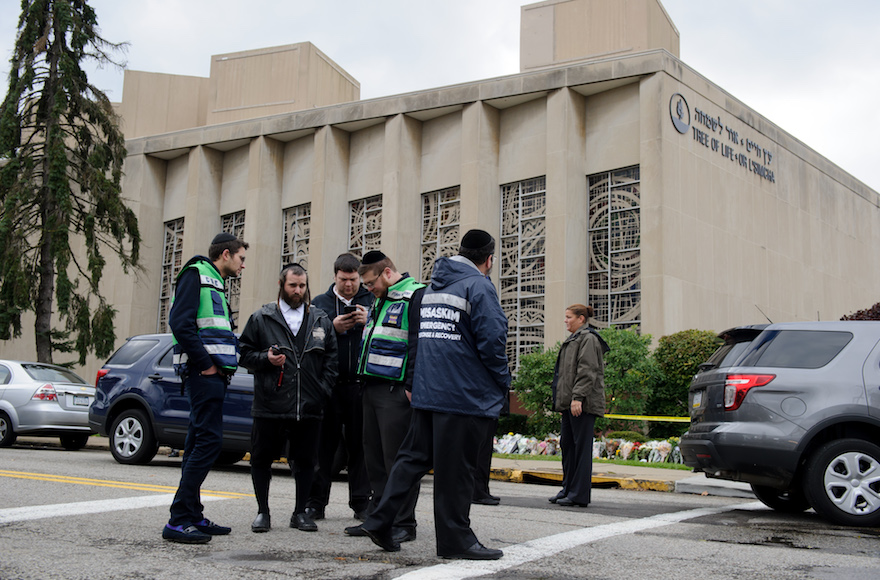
268	436
204	440
448	444
576	440
387	415
344	410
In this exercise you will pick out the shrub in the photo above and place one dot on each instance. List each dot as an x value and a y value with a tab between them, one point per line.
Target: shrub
533	387
630	375
872	313
512	424
678	357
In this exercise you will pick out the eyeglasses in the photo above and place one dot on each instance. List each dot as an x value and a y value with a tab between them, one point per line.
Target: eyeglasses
369	285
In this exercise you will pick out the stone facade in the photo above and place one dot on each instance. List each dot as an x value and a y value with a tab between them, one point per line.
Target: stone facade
728	216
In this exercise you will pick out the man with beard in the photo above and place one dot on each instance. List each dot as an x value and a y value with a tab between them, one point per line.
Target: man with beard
461	381
291	350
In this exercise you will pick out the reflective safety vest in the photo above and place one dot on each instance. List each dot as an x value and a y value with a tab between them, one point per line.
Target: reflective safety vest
384	348
212	319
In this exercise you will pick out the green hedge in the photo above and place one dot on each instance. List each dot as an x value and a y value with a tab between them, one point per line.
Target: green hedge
637	382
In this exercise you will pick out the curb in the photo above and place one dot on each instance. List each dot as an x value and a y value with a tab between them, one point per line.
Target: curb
599	479
544	477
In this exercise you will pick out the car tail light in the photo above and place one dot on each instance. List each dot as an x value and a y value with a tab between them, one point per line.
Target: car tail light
46	393
737	386
101	373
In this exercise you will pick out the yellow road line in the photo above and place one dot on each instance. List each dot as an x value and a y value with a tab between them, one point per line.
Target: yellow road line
108	483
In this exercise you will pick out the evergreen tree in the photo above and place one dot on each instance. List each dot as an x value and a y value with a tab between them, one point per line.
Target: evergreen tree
61	155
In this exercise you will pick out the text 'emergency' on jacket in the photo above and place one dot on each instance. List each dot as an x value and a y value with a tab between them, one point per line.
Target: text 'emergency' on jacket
461	367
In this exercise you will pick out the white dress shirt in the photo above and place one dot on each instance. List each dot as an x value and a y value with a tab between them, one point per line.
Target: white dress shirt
293	316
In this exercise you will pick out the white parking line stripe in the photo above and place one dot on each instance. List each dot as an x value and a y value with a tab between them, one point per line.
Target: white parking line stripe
37	512
544	547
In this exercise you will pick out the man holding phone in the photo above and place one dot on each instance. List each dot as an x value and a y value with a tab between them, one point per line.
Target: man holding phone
346	302
291	349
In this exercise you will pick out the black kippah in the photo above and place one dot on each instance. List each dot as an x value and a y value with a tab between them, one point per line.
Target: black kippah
476	240
372	257
222	237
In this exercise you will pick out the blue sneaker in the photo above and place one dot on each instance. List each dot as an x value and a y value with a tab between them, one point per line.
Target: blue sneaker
185	535
212	529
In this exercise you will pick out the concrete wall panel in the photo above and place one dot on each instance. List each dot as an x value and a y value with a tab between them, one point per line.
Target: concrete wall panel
440	165
523	142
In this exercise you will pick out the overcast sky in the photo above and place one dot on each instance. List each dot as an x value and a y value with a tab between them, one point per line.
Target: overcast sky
810	66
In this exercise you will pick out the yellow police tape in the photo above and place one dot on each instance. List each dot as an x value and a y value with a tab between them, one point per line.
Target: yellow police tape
649	418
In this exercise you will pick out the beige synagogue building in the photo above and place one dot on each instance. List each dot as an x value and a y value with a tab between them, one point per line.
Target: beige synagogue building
609	171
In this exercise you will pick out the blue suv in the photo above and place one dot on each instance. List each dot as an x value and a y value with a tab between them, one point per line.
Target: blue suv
139	404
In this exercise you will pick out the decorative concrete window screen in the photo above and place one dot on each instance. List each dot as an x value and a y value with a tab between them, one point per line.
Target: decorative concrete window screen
295	239
233	223
441	214
522	264
172	260
614	240
365	231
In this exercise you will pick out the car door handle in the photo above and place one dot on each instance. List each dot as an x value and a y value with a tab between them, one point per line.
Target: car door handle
155	376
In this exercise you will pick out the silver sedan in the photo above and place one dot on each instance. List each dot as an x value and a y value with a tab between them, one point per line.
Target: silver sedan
44	400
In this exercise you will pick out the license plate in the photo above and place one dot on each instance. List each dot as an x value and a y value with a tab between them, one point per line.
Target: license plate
81	400
698	399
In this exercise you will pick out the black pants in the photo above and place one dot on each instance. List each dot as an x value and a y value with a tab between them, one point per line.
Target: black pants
345	410
204	440
387	415
576	440
484	462
448	444
268	437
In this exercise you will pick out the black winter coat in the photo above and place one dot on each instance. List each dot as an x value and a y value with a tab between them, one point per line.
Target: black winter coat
308	377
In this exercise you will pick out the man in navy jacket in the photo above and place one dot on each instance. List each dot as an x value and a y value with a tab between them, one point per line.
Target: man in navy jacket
461	381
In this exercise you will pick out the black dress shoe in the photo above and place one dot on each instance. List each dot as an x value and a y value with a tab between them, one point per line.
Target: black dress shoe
487	500
185	534
262	523
357	531
303	523
401	535
557	497
564	501
383	539
477	552
315	513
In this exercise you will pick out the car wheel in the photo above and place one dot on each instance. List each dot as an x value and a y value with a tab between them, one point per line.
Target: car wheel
842	482
7	435
789	501
131	439
74	442
229	457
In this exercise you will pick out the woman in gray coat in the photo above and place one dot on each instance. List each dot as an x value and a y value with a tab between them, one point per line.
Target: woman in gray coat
579	394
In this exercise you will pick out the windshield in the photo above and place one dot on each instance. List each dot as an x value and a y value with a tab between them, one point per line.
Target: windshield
49	374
